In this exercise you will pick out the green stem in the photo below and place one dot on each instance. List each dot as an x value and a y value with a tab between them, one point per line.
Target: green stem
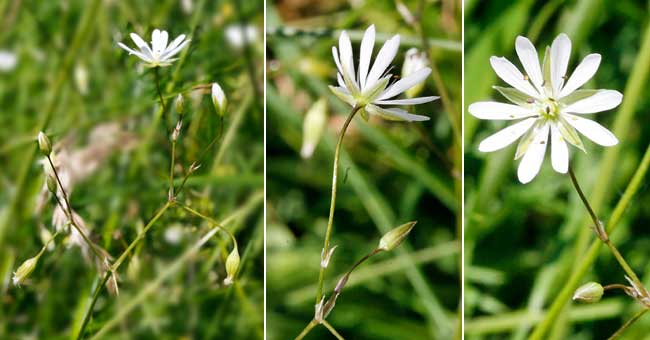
601	229
332	330
68	211
625	326
307	329
157	80
211	221
115	266
328	233
590	256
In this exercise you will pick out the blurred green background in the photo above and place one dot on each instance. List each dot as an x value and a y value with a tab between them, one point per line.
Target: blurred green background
390	173
72	81
523	241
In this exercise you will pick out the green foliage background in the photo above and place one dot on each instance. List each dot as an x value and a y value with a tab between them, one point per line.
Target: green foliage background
52	39
389	174
522	242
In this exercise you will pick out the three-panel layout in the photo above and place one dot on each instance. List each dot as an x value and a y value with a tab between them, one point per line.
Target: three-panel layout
345	169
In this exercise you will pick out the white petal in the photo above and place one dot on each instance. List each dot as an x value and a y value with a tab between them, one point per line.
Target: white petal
601	101
365	54
339	79
131	51
559	151
175	42
394	114
499	111
408	101
506	136
534	156
530	60
581	74
511	75
155	41
406	83
170	53
592	130
335	53
384	58
142	45
346	57
560	53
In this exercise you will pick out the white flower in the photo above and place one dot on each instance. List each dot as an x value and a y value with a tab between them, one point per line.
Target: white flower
239	35
159	54
546	102
371	88
8	61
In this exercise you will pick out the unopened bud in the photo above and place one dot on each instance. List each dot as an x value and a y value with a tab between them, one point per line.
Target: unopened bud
313	127
44	144
219	99
179	104
394	238
232	266
589	293
25	269
413	62
51	184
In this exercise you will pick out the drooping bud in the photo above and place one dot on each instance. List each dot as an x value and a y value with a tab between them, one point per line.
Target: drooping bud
590	292
232	266
25	269
51	184
179	104
219	99
394	238
313	127
413	62
44	144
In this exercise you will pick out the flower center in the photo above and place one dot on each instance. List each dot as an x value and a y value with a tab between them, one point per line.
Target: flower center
549	109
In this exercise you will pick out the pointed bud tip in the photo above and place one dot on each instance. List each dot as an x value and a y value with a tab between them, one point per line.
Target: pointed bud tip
590	292
394	238
44	144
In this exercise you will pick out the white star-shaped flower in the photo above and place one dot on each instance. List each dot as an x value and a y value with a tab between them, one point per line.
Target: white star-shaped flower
371	88
159	54
547	103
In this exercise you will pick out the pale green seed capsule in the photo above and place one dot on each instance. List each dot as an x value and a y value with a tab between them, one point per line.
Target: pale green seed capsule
394	238
313	127
590	292
44	144
179	104
219	99
51	184
232	266
25	269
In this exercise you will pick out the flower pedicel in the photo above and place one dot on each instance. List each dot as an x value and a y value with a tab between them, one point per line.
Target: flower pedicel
546	101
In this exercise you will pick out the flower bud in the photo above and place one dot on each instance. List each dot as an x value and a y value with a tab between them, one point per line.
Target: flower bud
219	99
414	61
313	127
25	269
232	266
44	144
179	104
394	238
590	292
51	184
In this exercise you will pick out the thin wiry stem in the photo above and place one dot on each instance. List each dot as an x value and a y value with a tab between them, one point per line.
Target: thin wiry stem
68	211
332	330
157	80
307	329
602	233
628	324
328	233
116	265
